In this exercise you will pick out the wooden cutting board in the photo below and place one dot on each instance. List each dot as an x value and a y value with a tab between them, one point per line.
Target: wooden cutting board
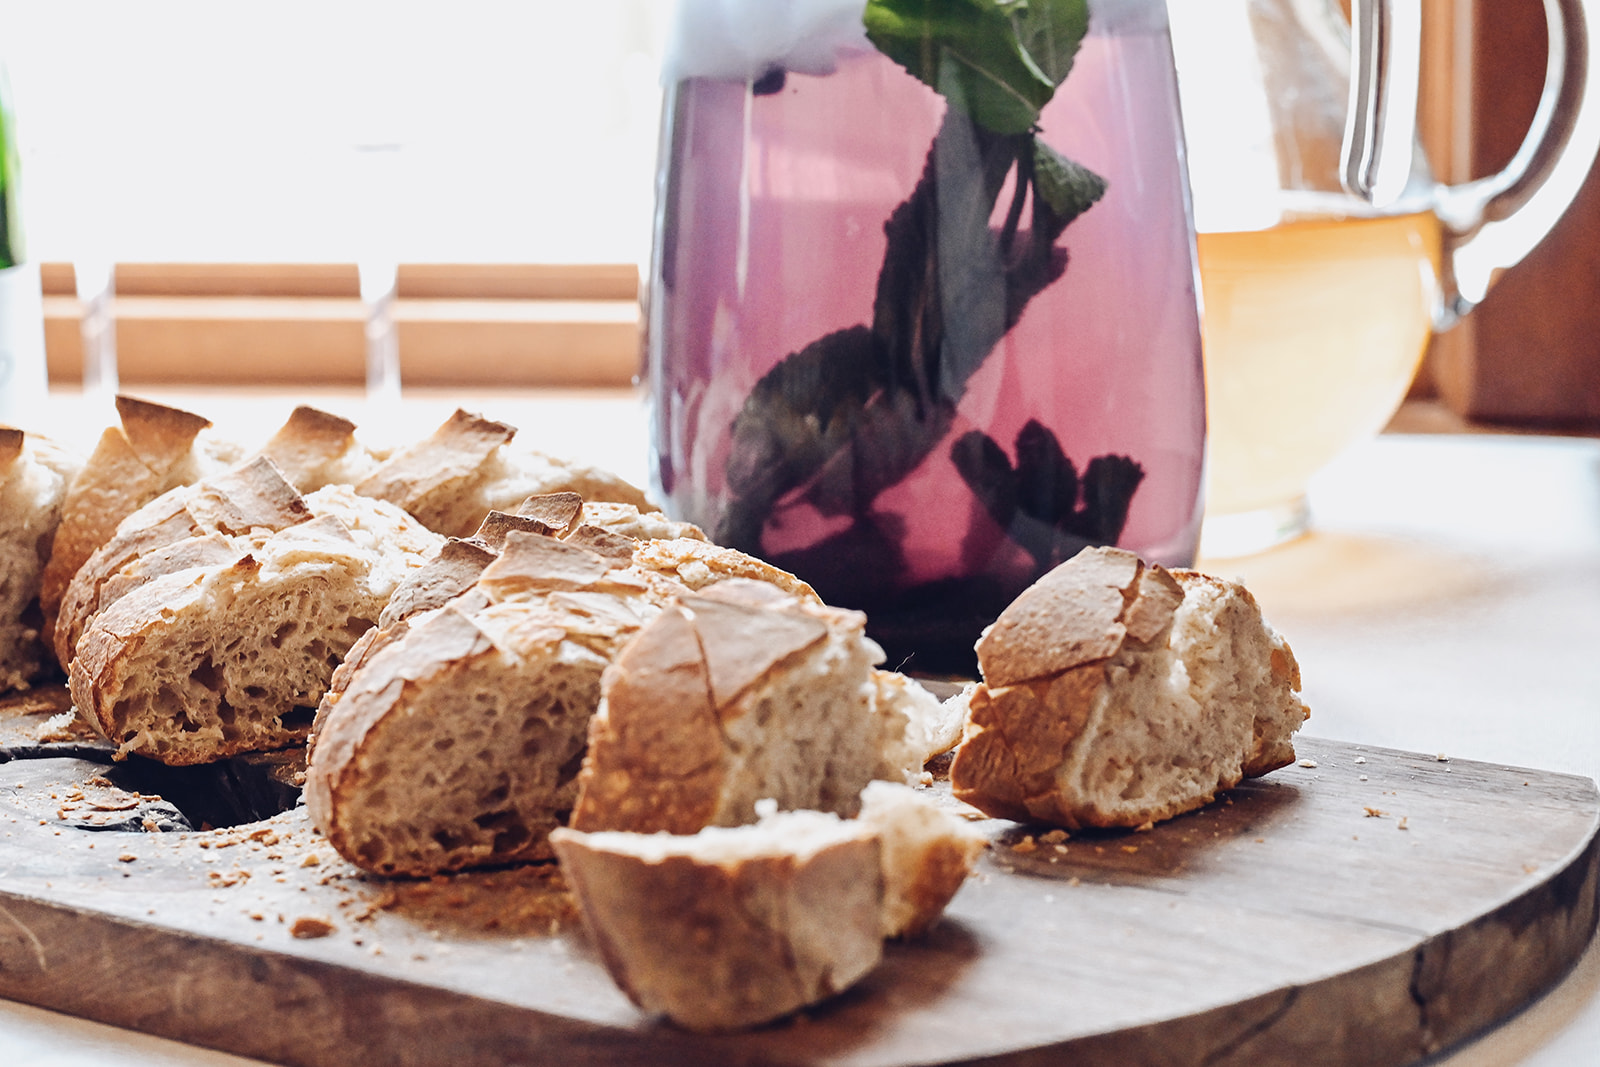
1363	907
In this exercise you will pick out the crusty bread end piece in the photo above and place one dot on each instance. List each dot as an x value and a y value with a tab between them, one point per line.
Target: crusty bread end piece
1118	694
34	476
731	928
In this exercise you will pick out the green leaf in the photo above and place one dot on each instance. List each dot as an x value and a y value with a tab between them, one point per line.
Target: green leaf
1069	188
968	51
1051	31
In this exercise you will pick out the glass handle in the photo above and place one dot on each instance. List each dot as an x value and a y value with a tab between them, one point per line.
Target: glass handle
96	284
1493	222
1380	132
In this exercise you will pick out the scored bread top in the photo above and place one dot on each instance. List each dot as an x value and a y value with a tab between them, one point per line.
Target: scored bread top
1078	614
254	496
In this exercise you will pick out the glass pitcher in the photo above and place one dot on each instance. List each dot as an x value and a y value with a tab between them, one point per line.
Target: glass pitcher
1328	253
922	316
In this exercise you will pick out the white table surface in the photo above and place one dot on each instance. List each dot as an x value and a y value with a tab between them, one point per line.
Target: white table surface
1448	602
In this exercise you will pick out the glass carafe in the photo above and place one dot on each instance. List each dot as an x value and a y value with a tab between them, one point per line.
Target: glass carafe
915	339
1328	253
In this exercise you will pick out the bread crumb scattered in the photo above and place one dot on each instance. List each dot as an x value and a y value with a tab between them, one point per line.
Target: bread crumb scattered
1054	837
1308	762
126	857
1374	813
1025	845
310	926
1361	759
1401	825
1442	758
311	860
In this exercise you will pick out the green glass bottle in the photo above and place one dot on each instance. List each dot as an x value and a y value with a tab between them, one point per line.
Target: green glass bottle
23	380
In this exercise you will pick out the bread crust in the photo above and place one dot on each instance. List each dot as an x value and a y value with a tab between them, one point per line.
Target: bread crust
1119	694
698	707
252	497
154	448
199	643
725	945
34	476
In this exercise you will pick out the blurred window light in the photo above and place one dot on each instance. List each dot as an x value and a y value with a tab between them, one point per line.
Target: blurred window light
182	131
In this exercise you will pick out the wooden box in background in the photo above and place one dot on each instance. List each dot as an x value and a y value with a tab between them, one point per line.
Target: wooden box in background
1530	354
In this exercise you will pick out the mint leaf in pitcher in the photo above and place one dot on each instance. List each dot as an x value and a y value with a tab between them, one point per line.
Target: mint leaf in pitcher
853	413
999	60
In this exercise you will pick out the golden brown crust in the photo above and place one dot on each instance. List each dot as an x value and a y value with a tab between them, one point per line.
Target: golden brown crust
1071	616
81	598
253	496
160	436
941	874
650	769
1192	671
446	576
533	563
614	547
130	466
448	640
557	511
719	946
113	484
1016	739
305	445
700	563
742	645
416	477
11	440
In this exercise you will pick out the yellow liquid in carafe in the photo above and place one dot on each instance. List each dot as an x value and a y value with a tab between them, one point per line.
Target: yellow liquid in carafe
1312	333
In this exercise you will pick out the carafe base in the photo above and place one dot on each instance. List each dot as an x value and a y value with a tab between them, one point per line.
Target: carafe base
1244	533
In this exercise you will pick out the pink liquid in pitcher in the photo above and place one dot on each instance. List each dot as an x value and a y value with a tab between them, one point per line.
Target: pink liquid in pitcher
772	236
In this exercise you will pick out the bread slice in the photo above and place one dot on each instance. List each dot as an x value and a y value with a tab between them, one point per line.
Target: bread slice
191	663
735	695
186	526
154	449
456	741
732	927
469	467
34	476
1116	693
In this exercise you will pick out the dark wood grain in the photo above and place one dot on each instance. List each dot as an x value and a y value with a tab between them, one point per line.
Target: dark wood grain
1367	910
